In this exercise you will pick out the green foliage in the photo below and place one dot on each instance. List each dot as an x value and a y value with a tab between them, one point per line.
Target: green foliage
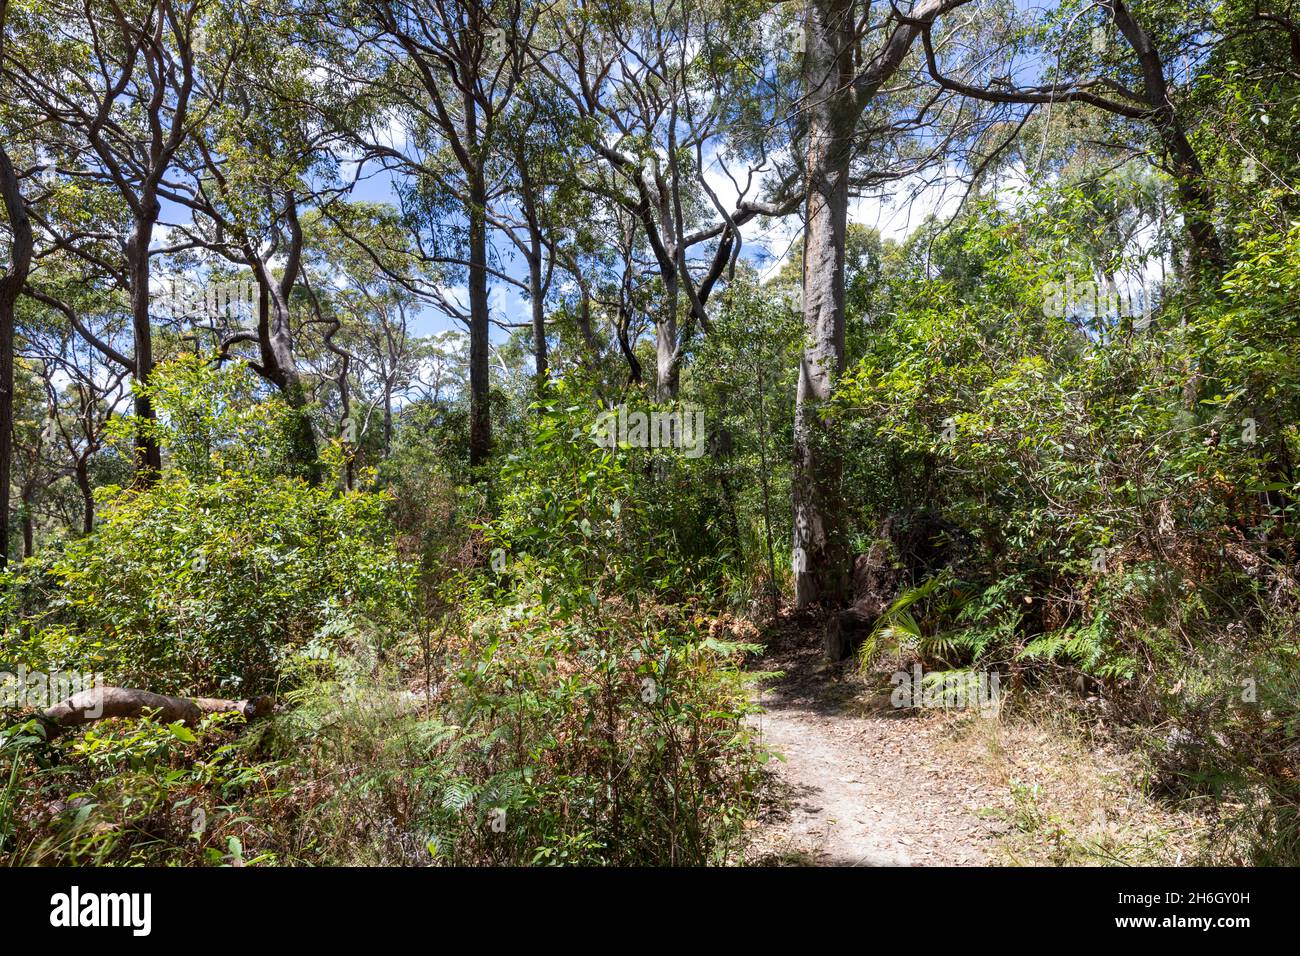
751	357
587	522
206	587
1116	495
1068	463
1095	502
144	793
214	420
209	580
574	718
613	737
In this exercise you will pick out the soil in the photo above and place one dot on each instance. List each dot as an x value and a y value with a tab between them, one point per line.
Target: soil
862	783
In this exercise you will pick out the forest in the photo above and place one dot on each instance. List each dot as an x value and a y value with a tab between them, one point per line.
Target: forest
711	433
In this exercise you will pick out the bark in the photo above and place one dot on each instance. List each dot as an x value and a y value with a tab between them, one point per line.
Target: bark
147	452
666	246
480	413
11	284
388	418
280	366
99	703
345	403
279	362
625	305
634	375
667	366
82	474
820	556
835	96
537	283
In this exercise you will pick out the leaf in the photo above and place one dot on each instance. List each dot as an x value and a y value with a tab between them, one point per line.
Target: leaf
181	732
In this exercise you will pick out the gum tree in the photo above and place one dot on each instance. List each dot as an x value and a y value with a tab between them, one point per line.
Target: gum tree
20	246
113	83
851	54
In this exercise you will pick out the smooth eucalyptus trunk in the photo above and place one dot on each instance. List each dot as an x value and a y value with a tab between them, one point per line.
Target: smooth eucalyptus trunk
820	559
667	364
276	343
281	365
11	285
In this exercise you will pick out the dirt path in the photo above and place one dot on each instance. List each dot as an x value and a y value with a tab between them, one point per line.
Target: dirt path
862	783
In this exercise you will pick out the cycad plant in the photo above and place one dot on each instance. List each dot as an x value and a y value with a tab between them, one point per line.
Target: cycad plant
914	623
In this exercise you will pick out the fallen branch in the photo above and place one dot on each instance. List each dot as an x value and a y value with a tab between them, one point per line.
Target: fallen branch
100	702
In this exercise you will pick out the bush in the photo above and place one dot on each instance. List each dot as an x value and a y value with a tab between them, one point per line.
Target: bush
193	587
211	579
606	521
131	793
1116	502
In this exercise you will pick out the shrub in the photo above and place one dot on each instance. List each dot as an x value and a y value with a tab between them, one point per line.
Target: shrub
193	587
210	579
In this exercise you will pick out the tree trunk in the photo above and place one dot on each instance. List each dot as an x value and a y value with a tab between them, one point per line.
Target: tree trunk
584	322
667	364
536	282
388	417
480	412
820	554
275	340
99	703
345	403
537	294
82	474
1195	196
303	450
11	284
148	455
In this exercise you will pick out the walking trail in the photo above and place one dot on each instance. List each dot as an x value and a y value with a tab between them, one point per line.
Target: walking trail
862	783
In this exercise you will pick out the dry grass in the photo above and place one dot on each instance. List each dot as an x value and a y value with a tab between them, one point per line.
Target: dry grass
1072	799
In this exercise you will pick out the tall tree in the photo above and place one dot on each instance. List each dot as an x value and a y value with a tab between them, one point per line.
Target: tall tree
1130	80
11	284
444	73
114	81
843	71
254	166
658	87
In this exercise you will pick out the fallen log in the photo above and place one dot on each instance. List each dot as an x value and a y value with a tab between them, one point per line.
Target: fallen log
98	703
